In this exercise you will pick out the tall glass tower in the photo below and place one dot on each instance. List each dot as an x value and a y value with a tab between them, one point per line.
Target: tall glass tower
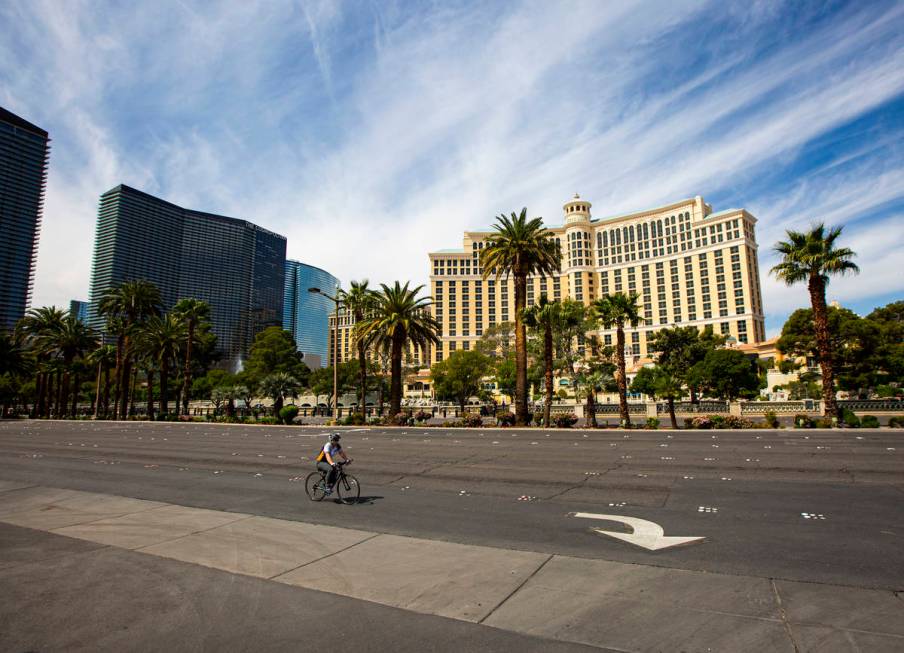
235	266
306	315
24	152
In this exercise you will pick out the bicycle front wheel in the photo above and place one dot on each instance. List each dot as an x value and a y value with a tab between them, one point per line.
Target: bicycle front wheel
313	486
348	489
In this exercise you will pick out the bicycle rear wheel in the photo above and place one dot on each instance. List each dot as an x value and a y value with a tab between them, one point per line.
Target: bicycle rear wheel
313	486
348	489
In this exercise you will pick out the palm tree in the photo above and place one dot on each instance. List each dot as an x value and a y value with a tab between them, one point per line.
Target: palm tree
617	310
520	247
71	338
398	317
13	356
192	312
543	317
812	257
104	357
14	361
36	329
359	301
160	339
125	306
277	386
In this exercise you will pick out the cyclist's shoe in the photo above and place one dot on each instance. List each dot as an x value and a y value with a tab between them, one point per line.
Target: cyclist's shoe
327	491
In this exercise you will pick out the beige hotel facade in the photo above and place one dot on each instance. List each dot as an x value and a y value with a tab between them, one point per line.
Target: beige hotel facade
691	266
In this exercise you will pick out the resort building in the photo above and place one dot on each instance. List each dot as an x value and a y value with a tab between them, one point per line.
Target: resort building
306	314
414	357
24	152
689	265
235	266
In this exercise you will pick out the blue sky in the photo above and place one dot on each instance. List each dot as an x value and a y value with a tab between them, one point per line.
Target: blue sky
370	133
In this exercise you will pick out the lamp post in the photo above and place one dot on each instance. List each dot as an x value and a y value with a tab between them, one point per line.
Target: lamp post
318	291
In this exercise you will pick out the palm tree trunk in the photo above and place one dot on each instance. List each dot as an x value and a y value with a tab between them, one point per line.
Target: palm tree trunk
106	391
590	408
395	370
48	393
164	386
124	389
382	394
520	350
75	393
118	375
97	395
131	394
821	327
58	406
186	374
151	394
38	408
65	390
362	362
671	401
547	362
622	379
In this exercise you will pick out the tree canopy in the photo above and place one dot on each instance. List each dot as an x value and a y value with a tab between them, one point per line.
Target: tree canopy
274	350
460	376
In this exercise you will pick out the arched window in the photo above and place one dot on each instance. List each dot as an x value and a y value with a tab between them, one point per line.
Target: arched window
605	239
631	233
646	232
659	228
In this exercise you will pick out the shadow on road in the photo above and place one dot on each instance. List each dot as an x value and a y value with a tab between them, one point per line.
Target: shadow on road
361	500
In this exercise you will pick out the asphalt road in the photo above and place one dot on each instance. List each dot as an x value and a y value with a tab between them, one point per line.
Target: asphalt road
807	505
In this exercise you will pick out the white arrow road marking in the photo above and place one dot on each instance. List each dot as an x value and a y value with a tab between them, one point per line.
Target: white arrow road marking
647	534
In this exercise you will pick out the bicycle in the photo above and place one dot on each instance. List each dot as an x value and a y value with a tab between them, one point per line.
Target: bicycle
346	486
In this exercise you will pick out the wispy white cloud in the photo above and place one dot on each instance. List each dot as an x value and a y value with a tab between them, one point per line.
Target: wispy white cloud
371	134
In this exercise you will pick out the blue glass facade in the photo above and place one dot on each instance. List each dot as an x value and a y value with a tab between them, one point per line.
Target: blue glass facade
306	315
233	265
79	309
24	152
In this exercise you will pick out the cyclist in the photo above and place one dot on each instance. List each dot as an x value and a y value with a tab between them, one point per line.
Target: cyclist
326	460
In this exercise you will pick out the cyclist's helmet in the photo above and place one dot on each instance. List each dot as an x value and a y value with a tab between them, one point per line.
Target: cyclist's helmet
335	437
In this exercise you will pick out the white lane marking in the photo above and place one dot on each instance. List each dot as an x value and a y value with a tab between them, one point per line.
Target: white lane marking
648	535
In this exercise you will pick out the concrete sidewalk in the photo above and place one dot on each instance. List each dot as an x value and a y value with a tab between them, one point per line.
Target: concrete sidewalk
611	605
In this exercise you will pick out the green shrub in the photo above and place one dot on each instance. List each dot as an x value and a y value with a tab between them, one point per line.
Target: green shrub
850	419
771	419
652	423
896	422
402	419
565	420
823	423
268	419
538	419
353	419
802	421
506	419
702	422
288	413
422	416
473	420
869	422
453	424
735	422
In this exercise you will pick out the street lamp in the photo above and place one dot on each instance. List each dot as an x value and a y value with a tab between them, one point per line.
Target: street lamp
318	291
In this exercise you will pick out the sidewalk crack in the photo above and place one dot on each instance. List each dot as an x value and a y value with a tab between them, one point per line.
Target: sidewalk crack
328	555
784	615
515	591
